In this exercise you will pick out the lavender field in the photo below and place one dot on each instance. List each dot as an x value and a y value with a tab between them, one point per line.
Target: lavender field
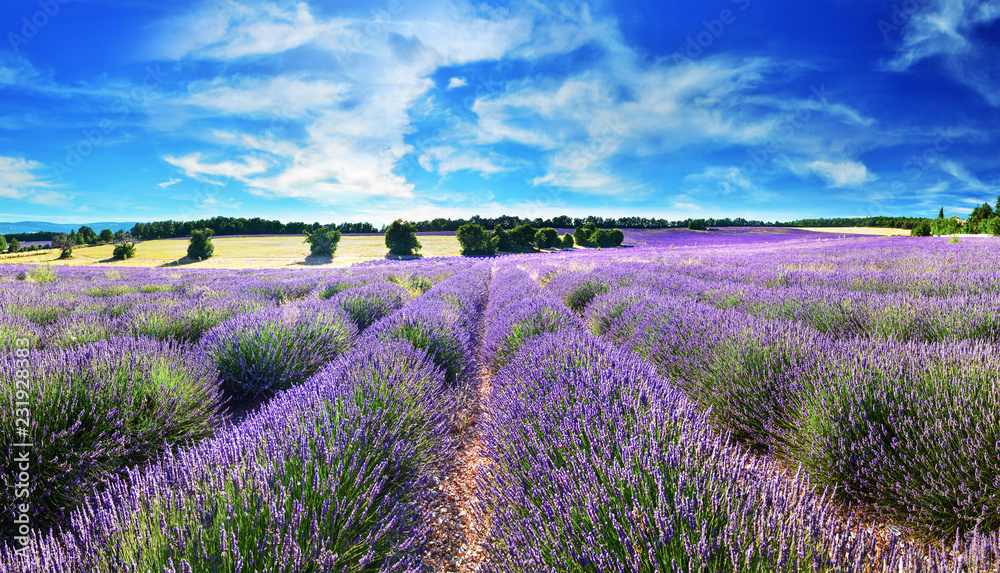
742	400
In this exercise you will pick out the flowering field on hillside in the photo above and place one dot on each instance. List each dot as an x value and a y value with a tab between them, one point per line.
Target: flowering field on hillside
725	401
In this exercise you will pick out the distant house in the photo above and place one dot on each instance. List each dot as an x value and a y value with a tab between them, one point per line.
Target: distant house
961	221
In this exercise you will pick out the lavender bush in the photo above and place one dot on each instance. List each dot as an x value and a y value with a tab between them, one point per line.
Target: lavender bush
266	351
98	409
328	477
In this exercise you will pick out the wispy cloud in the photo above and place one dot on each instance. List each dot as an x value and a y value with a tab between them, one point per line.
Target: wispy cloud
963	175
948	29
168	183
457	83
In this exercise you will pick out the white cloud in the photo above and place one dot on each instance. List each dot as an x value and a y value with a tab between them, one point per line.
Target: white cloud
341	131
280	96
457	83
241	170
446	159
168	183
19	180
946	28
234	30
842	174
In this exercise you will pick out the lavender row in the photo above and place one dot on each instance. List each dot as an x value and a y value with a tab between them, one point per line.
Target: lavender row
601	466
912	429
353	448
519	310
328	476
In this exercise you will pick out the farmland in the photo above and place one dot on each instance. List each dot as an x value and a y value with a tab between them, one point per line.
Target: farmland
736	400
252	252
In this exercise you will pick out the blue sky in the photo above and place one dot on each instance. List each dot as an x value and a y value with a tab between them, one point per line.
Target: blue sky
350	111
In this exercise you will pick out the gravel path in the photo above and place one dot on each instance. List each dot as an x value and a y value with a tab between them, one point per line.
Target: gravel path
459	525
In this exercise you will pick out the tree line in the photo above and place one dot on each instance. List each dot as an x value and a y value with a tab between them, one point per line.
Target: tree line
984	220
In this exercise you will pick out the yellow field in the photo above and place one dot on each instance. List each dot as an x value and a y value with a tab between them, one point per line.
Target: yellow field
242	253
859	231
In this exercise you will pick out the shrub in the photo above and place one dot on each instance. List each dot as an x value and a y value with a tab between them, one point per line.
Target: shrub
475	240
922	229
14	328
65	243
522	238
323	241
603	238
991	226
521	322
3	244
401	238
567	241
954	239
941	227
698	225
328	477
201	246
911	428
617	237
186	323
15	246
582	235
124	251
581	295
431	327
99	409
547	238
78	329
369	304
262	352
40	274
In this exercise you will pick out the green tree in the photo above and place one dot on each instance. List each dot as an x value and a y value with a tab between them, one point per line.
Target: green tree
3	244
617	237
992	226
201	246
581	235
547	238
923	229
503	239
522	238
941	213
65	243
106	236
401	238
86	236
567	241
476	241
941	227
322	242
978	218
698	225
124	246
15	246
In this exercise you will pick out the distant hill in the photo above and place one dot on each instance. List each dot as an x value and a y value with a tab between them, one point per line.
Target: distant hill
7	228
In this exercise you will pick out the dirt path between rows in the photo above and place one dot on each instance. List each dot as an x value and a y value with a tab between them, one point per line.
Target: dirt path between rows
460	523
